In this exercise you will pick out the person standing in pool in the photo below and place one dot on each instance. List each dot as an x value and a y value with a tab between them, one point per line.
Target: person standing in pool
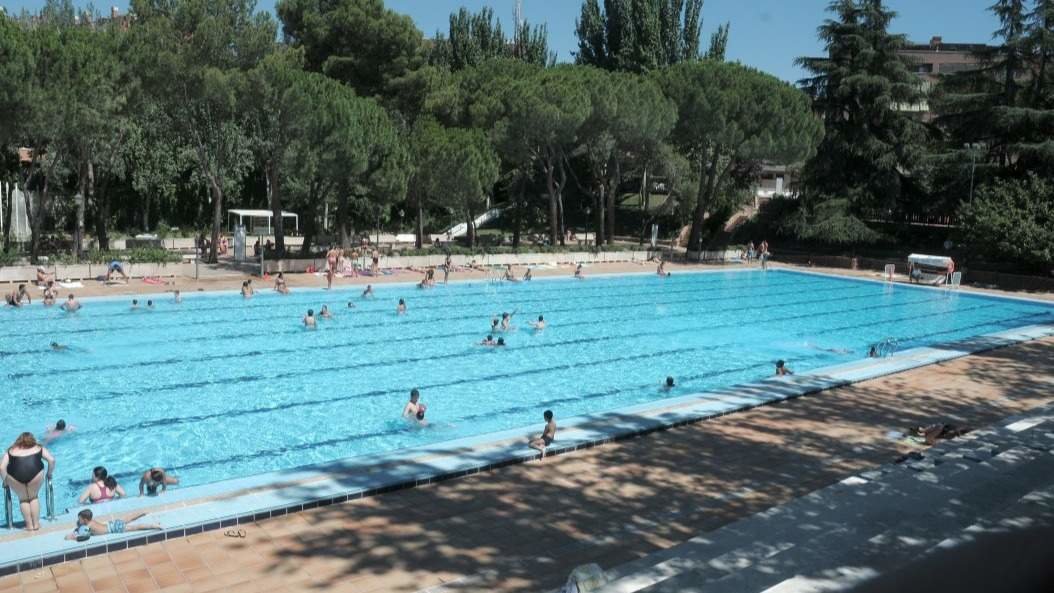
668	385
324	312
540	324
154	479
401	309
578	272
50	294
413	406
506	321
87	526
71	305
247	289
22	470
309	319
178	298
544	440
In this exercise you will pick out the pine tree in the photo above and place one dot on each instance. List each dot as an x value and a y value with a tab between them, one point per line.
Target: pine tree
640	35
872	145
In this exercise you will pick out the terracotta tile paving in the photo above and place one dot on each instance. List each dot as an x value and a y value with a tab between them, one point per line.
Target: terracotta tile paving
524	527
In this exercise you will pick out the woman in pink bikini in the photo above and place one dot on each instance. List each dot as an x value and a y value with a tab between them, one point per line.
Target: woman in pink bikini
103	488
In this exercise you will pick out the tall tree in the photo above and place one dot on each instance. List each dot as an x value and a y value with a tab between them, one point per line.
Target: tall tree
16	63
729	114
475	38
358	42
192	56
638	35
872	146
274	124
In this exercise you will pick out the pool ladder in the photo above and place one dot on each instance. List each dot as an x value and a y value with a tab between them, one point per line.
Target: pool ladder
9	503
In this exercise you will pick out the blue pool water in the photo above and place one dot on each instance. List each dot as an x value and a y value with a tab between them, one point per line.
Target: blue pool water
218	387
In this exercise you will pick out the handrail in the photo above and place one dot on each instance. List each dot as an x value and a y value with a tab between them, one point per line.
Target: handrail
9	510
49	499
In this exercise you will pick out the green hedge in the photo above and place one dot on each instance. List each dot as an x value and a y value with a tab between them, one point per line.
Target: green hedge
140	255
458	250
9	258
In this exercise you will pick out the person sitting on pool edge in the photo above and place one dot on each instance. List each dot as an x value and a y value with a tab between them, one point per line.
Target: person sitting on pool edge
544	440
115	266
87	526
279	284
154	479
781	369
309	319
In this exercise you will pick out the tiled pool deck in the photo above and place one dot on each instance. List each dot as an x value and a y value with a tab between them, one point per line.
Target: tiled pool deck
432	508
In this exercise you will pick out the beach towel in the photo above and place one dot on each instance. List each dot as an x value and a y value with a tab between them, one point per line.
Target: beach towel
71	284
155	280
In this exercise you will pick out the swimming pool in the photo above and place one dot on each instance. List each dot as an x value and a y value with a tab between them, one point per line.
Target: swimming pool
218	387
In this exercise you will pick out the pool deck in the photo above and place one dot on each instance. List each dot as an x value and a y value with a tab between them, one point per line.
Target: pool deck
614	503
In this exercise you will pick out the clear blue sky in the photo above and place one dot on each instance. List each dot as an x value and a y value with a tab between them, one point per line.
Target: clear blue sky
766	34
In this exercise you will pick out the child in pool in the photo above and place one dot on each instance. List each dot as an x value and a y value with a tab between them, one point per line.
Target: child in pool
87	526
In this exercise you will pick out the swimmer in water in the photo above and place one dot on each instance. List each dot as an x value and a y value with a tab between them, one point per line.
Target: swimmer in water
540	324
527	275
401	309
59	347
413	406
135	304
781	369
59	430
872	352
49	294
578	272
351	305
155	481
487	341
368	293
71	304
668	384
150	305
247	290
324	313
506	321
500	343
309	319
494	327
178	298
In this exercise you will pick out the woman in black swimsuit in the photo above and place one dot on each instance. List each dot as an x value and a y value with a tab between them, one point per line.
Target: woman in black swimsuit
22	468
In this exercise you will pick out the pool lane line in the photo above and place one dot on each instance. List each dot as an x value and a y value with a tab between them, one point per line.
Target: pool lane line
691	314
395	391
343	344
388	312
299	330
279	451
276	301
308	372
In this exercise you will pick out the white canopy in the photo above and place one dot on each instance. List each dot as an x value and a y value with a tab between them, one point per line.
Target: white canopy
935	261
257	217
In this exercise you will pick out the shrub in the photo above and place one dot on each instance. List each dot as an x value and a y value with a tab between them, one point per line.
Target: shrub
1012	219
142	255
9	258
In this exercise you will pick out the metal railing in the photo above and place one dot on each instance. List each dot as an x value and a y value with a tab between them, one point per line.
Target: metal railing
9	503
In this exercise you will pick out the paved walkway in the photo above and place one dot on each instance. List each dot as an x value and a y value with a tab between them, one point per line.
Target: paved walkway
522	528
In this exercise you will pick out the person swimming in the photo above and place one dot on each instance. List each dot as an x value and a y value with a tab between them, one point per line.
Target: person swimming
500	343
56	347
60	429
150	305
368	293
540	324
324	313
506	321
401	309
487	341
494	325
135	304
155	481
668	384
247	290
351	305
309	319
781	369
279	284
412	407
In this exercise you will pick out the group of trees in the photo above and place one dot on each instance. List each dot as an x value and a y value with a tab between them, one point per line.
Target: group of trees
985	156
183	108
